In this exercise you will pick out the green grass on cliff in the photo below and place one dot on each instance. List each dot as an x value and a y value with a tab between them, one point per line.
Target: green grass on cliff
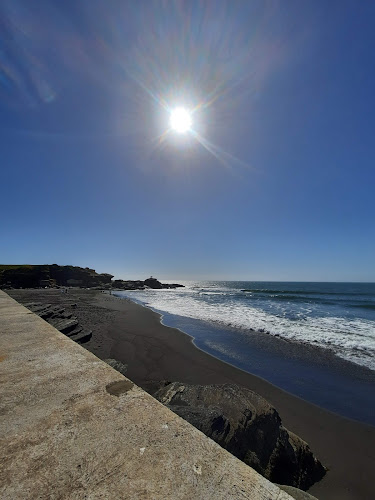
5	267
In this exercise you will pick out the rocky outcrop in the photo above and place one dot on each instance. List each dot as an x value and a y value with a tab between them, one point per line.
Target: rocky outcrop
62	320
247	426
30	276
154	283
128	285
46	276
141	285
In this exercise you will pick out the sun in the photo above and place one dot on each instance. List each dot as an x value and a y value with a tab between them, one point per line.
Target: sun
180	120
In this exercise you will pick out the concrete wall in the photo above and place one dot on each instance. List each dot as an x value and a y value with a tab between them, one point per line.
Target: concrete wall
72	427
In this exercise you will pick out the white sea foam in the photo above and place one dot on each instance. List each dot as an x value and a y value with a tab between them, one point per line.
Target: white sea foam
352	339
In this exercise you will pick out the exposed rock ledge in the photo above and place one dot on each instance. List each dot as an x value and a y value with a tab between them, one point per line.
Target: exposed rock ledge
62	320
247	426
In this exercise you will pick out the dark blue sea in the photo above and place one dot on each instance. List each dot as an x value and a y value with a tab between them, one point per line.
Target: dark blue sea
315	340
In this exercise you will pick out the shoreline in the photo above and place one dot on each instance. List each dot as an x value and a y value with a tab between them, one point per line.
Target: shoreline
134	335
306	371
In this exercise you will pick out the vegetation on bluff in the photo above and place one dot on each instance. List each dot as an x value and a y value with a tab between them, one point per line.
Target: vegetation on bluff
34	276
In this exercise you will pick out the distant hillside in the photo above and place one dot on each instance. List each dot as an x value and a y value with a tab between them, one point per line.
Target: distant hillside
49	276
34	276
4	267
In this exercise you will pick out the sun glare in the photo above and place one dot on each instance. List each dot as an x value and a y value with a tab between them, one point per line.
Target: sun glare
180	120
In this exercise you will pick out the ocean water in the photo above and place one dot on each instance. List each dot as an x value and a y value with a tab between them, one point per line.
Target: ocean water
339	317
234	320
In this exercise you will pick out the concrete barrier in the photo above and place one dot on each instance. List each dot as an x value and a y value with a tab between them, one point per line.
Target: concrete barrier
72	427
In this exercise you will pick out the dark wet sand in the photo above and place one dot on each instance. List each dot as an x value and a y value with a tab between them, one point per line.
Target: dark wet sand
134	335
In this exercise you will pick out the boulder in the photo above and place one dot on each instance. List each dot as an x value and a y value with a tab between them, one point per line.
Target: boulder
247	426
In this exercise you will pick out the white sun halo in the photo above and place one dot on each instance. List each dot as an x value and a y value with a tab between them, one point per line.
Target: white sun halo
180	120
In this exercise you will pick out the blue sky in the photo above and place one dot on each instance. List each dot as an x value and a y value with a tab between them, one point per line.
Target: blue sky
277	181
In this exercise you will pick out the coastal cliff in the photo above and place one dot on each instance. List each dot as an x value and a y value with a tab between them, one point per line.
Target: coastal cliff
52	276
36	276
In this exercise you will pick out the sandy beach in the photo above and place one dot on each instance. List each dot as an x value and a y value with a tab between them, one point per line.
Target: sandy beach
135	336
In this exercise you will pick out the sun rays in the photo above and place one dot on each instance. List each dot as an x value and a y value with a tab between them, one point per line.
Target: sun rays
181	122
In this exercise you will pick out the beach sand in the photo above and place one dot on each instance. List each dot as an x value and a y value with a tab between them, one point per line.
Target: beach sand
134	335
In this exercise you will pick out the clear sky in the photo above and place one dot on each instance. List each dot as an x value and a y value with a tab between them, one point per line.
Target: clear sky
276	180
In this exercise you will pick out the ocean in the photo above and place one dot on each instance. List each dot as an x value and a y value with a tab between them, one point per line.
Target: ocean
323	334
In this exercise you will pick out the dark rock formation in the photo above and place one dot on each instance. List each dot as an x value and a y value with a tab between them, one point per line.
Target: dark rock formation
247	426
27	276
128	285
141	285
62	320
153	283
46	276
